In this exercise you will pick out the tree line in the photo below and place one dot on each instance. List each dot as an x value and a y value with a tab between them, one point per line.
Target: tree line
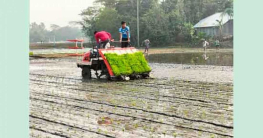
39	33
164	22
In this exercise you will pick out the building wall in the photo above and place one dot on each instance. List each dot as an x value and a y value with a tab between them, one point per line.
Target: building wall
214	31
228	28
211	31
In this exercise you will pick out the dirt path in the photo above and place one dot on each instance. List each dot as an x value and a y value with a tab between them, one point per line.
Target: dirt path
63	105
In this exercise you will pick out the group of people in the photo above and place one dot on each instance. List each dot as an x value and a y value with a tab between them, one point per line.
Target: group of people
103	37
206	44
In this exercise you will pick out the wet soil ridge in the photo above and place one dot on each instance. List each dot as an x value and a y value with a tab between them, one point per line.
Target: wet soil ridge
49	99
63	105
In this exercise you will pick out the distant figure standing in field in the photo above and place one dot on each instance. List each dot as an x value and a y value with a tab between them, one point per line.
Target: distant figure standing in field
147	45
217	44
205	44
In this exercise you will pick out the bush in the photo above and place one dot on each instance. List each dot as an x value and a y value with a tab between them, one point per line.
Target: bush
31	53
127	64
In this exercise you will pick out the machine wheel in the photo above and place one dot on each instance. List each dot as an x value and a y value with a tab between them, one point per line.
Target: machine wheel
144	76
86	73
108	77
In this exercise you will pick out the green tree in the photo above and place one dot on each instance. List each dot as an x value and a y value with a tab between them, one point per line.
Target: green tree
164	22
229	8
108	3
188	32
156	28
37	32
65	33
108	21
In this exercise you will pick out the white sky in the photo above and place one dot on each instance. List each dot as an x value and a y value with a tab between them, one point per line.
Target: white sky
59	12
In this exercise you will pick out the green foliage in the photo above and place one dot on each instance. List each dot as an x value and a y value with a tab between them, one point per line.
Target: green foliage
38	33
188	31
197	39
163	22
127	64
65	33
31	53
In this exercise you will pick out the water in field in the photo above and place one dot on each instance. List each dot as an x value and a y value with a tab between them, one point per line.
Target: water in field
217	59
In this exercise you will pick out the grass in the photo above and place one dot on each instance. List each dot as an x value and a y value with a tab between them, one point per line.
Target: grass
127	64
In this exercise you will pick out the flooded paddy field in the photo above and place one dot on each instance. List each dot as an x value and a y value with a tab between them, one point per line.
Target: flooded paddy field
216	59
189	100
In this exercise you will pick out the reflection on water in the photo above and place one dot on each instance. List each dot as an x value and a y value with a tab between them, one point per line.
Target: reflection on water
218	59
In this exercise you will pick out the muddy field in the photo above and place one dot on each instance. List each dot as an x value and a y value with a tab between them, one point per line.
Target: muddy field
181	100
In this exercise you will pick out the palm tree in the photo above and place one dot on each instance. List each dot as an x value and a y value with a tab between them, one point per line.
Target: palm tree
228	9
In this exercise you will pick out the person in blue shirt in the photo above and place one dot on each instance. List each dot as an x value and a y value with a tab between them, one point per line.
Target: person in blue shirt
124	35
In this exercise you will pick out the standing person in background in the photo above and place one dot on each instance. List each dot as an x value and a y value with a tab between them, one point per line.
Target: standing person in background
147	45
217	44
124	35
205	44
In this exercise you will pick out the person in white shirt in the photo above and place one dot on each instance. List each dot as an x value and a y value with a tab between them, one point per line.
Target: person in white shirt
205	44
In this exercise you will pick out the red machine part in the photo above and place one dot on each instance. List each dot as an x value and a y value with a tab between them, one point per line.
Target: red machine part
106	63
76	40
86	57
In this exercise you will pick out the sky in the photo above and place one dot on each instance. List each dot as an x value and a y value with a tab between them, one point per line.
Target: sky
59	12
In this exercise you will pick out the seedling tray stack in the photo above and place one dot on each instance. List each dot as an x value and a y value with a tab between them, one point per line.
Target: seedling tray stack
125	62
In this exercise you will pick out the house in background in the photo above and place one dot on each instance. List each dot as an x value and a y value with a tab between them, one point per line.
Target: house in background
210	25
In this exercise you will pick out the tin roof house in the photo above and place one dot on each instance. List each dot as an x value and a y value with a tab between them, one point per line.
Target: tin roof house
210	25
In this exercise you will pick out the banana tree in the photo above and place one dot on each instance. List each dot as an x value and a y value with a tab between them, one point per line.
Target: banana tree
220	25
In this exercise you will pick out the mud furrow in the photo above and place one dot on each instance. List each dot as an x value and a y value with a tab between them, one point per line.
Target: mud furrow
113	94
141	109
114	128
147	94
72	110
67	125
80	105
150	84
52	133
156	82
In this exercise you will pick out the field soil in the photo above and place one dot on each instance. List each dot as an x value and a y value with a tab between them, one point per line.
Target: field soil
179	100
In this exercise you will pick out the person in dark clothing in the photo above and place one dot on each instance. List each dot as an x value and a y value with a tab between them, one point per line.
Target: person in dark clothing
147	45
